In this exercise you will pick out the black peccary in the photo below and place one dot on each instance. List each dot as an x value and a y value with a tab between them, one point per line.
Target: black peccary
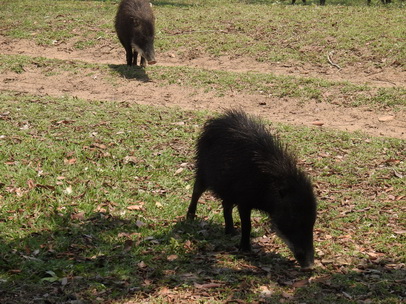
135	27
245	166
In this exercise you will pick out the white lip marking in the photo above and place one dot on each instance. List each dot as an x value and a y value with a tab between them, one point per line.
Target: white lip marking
138	50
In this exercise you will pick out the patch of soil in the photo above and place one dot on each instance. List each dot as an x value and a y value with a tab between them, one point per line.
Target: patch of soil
318	114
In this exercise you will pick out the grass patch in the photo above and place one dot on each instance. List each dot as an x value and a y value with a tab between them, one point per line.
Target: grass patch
265	30
92	196
55	22
268	84
221	82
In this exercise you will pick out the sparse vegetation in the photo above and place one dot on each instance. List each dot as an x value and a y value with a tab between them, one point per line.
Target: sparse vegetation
264	30
224	82
93	193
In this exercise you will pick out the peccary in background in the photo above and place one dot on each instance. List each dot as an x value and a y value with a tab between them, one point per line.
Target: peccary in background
135	27
245	166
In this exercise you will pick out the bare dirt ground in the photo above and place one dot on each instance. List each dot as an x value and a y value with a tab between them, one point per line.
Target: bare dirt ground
375	122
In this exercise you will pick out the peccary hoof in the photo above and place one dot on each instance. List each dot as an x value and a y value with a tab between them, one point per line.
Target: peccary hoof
245	248
231	231
307	269
190	217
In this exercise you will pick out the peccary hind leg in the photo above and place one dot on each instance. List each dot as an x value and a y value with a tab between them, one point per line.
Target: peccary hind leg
198	190
228	218
135	57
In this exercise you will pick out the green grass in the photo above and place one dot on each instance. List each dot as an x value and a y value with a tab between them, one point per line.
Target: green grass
48	22
93	195
280	33
265	30
222	82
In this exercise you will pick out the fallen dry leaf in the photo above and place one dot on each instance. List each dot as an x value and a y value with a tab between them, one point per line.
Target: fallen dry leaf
31	184
207	285
68	190
391	161
138	206
70	161
172	257
100	146
134	207
180	123
64	122
164	291
188	245
132	160
265	291
48	187
374	255
78	216
178	171
323	279
300	283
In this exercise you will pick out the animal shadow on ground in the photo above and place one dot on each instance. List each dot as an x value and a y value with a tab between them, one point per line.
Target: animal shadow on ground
107	257
381	281
130	72
102	257
218	251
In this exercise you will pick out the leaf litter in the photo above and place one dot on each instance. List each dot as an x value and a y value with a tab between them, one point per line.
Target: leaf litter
345	255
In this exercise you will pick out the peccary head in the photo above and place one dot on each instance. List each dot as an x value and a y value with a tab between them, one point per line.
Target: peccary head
294	216
143	37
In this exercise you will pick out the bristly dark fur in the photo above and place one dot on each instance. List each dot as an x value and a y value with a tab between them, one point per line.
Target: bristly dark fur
135	26
244	165
248	134
242	138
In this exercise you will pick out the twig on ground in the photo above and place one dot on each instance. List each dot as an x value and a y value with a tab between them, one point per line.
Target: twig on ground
331	62
203	31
